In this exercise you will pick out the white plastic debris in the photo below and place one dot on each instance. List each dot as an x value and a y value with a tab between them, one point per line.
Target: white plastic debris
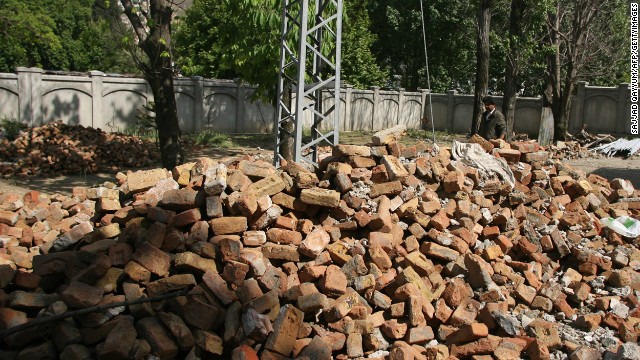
623	225
628	147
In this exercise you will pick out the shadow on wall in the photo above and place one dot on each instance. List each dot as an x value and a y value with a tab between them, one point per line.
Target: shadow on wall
76	108
67	110
221	118
9	108
120	114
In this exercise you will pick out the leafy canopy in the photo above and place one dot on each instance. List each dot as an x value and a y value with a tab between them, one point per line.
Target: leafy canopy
241	38
77	36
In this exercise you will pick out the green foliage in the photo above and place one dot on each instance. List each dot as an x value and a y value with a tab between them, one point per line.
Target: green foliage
77	36
530	56
145	123
249	42
359	67
11	128
264	141
219	39
28	37
197	40
450	31
211	138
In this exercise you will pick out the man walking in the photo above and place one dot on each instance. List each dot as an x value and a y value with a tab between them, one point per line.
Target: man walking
492	125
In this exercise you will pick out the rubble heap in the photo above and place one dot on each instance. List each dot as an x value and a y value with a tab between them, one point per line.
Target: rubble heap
385	252
60	149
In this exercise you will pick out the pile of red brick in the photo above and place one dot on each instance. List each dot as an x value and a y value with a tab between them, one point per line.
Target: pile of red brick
57	148
385	252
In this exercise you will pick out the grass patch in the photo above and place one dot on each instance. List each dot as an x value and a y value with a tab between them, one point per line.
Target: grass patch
213	139
11	128
263	141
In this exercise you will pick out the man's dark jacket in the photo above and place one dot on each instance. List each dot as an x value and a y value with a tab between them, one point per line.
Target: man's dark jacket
492	127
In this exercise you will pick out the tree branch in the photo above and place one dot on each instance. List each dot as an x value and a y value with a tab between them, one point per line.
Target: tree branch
135	20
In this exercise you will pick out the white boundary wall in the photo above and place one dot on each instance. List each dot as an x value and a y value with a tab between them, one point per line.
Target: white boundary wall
112	103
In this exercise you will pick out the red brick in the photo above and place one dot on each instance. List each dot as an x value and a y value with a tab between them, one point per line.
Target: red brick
283	236
80	295
525	147
285	330
456	291
466	313
468	332
436	251
440	221
511	155
334	281
162	344
479	347
454	181
537	350
393	329
315	243
228	225
244	352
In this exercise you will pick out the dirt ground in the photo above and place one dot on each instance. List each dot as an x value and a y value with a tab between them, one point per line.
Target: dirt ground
610	168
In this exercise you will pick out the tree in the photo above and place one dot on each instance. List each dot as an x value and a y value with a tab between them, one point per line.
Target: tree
525	24
399	48
85	28
512	70
198	45
28	37
482	62
152	29
581	44
218	39
359	66
75	37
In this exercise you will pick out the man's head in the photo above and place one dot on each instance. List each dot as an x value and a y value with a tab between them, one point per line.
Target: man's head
489	103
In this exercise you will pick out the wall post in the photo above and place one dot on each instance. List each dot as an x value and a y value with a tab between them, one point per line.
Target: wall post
423	108
241	121
623	125
376	107
400	105
30	88
576	122
97	86
451	107
198	103
347	121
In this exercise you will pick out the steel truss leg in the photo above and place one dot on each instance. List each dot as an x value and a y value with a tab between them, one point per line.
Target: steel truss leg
309	78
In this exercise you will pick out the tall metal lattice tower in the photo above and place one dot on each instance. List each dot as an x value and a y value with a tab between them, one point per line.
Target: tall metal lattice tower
309	79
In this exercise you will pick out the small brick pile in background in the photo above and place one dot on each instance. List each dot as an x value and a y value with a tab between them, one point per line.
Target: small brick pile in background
60	149
387	252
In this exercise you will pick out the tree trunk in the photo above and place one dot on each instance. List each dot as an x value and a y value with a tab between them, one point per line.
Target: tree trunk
482	62
569	39
562	124
155	42
552	96
512	70
166	119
